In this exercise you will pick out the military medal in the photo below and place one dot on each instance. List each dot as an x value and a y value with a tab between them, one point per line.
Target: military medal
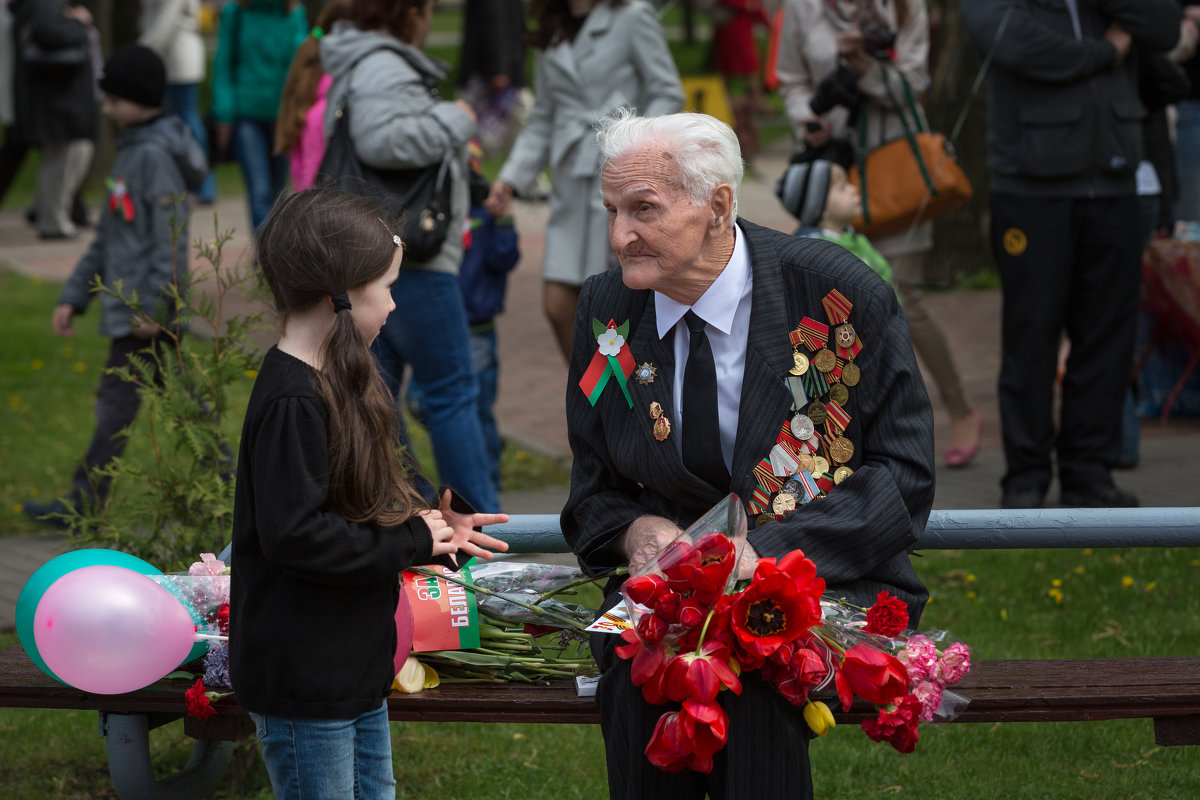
839	394
824	360
851	374
807	462
645	373
841	473
662	425
817	412
820	466
799	363
783	503
841	450
802	427
845	336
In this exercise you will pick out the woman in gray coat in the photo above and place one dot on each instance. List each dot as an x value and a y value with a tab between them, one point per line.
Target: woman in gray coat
596	55
384	83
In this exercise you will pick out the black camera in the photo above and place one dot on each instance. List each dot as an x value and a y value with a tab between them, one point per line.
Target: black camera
877	42
840	88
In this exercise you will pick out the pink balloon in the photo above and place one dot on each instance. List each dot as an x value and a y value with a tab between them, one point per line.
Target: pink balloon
404	630
110	630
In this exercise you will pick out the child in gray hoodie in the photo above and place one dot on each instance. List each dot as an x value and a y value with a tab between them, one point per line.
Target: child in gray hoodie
157	163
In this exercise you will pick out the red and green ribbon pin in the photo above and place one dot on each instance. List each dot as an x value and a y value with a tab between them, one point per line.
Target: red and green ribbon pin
119	201
612	358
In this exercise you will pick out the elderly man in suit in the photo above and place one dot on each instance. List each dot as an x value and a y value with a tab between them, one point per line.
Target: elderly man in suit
726	321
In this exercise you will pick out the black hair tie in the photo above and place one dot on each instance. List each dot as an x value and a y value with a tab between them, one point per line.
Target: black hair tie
341	302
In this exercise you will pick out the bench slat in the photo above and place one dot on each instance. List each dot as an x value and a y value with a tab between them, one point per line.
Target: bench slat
1038	690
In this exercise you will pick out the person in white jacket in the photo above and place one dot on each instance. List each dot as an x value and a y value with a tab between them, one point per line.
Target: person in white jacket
877	45
595	56
171	28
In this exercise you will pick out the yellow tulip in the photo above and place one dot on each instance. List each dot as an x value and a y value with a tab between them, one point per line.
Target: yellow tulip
819	717
411	677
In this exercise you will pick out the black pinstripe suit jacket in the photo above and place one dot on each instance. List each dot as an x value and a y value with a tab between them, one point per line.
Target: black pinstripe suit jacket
859	534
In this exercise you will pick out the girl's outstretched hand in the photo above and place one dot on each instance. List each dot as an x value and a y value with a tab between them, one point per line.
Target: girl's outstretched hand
455	533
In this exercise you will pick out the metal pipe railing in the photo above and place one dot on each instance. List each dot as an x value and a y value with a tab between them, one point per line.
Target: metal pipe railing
969	529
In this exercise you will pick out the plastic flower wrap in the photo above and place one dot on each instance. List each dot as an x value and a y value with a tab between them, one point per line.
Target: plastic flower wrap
696	631
527	632
204	592
512	583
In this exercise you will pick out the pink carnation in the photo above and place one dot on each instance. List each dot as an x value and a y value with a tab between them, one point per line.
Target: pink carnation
955	663
929	694
920	656
207	565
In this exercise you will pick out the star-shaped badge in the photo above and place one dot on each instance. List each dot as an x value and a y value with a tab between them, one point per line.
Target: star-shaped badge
645	373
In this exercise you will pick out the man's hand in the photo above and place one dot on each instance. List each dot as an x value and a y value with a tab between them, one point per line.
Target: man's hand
645	538
61	320
817	132
850	48
1189	33
1120	40
747	561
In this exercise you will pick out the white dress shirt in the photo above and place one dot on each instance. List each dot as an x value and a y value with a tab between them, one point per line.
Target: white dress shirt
725	308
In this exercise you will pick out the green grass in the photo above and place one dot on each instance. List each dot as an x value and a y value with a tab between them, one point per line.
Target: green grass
1113	603
47	387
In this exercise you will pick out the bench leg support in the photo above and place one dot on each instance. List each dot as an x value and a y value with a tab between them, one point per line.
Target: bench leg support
133	776
1170	731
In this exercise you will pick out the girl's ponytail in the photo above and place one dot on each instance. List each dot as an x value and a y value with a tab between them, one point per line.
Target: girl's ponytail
319	244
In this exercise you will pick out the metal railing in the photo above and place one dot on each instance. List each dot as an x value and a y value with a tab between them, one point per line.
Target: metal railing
972	529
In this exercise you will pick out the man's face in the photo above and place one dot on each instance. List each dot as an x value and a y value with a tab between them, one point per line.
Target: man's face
656	232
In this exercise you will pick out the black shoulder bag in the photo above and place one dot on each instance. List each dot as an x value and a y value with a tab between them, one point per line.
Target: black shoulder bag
420	196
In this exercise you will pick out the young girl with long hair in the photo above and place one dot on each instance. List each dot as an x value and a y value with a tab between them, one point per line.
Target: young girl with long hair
325	517
300	128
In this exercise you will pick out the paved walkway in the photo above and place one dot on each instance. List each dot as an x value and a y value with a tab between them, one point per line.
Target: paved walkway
533	376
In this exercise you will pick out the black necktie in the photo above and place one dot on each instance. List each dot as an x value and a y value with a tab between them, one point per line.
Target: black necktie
701	426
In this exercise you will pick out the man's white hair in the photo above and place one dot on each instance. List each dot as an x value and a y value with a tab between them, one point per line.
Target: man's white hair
705	148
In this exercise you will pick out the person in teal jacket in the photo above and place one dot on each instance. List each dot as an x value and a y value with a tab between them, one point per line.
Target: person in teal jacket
255	46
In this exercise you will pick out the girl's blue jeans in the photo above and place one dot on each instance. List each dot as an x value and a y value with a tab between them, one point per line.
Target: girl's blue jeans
428	331
316	758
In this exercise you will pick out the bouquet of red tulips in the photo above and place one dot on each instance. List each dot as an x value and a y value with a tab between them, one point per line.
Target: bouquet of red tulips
696	631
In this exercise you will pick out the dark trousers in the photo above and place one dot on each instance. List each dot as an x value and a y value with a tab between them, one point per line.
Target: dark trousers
766	755
1066	265
117	404
12	156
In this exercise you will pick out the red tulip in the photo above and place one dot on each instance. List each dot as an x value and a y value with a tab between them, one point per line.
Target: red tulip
772	610
672	560
645	589
700	675
668	749
647	667
876	677
708	573
706	726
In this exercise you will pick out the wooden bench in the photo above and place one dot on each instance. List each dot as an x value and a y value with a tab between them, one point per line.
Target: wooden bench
1166	690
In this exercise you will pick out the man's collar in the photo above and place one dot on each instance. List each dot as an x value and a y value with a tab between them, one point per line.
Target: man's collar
719	301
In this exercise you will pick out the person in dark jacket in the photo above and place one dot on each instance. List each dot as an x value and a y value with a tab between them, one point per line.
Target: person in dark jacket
1064	142
55	107
157	163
